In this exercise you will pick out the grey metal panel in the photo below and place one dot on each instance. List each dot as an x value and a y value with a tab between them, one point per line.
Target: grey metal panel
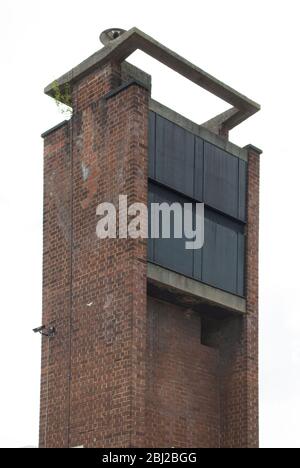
174	156
198	195
242	189
171	253
221	182
220	253
199	166
198	259
151	144
241	265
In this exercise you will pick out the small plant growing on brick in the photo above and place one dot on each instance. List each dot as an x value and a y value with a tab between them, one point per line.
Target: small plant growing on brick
63	98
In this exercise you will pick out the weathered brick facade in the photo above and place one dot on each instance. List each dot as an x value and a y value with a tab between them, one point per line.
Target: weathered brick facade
183	388
125	369
94	291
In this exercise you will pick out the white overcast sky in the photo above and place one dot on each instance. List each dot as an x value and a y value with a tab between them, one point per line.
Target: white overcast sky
252	45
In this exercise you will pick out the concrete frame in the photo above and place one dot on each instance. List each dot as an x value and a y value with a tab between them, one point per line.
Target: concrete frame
134	39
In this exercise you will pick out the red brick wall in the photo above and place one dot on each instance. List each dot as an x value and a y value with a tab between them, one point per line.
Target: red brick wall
252	296
183	394
238	340
97	360
56	286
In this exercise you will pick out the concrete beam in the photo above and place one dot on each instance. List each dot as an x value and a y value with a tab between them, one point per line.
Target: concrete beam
122	47
220	122
194	293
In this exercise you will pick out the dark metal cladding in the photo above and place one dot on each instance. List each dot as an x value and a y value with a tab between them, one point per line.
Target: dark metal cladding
199	167
196	168
198	264
175	148
189	166
171	253
221	180
220	253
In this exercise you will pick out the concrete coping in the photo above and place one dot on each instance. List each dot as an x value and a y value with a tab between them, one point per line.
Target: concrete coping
53	129
253	149
196	289
123	86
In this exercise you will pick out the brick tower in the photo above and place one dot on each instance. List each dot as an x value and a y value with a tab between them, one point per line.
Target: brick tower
154	345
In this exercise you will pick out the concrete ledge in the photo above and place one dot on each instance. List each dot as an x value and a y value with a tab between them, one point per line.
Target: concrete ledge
193	292
198	130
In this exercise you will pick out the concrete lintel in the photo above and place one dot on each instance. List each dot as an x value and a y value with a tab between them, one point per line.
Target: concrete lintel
122	47
199	292
198	130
